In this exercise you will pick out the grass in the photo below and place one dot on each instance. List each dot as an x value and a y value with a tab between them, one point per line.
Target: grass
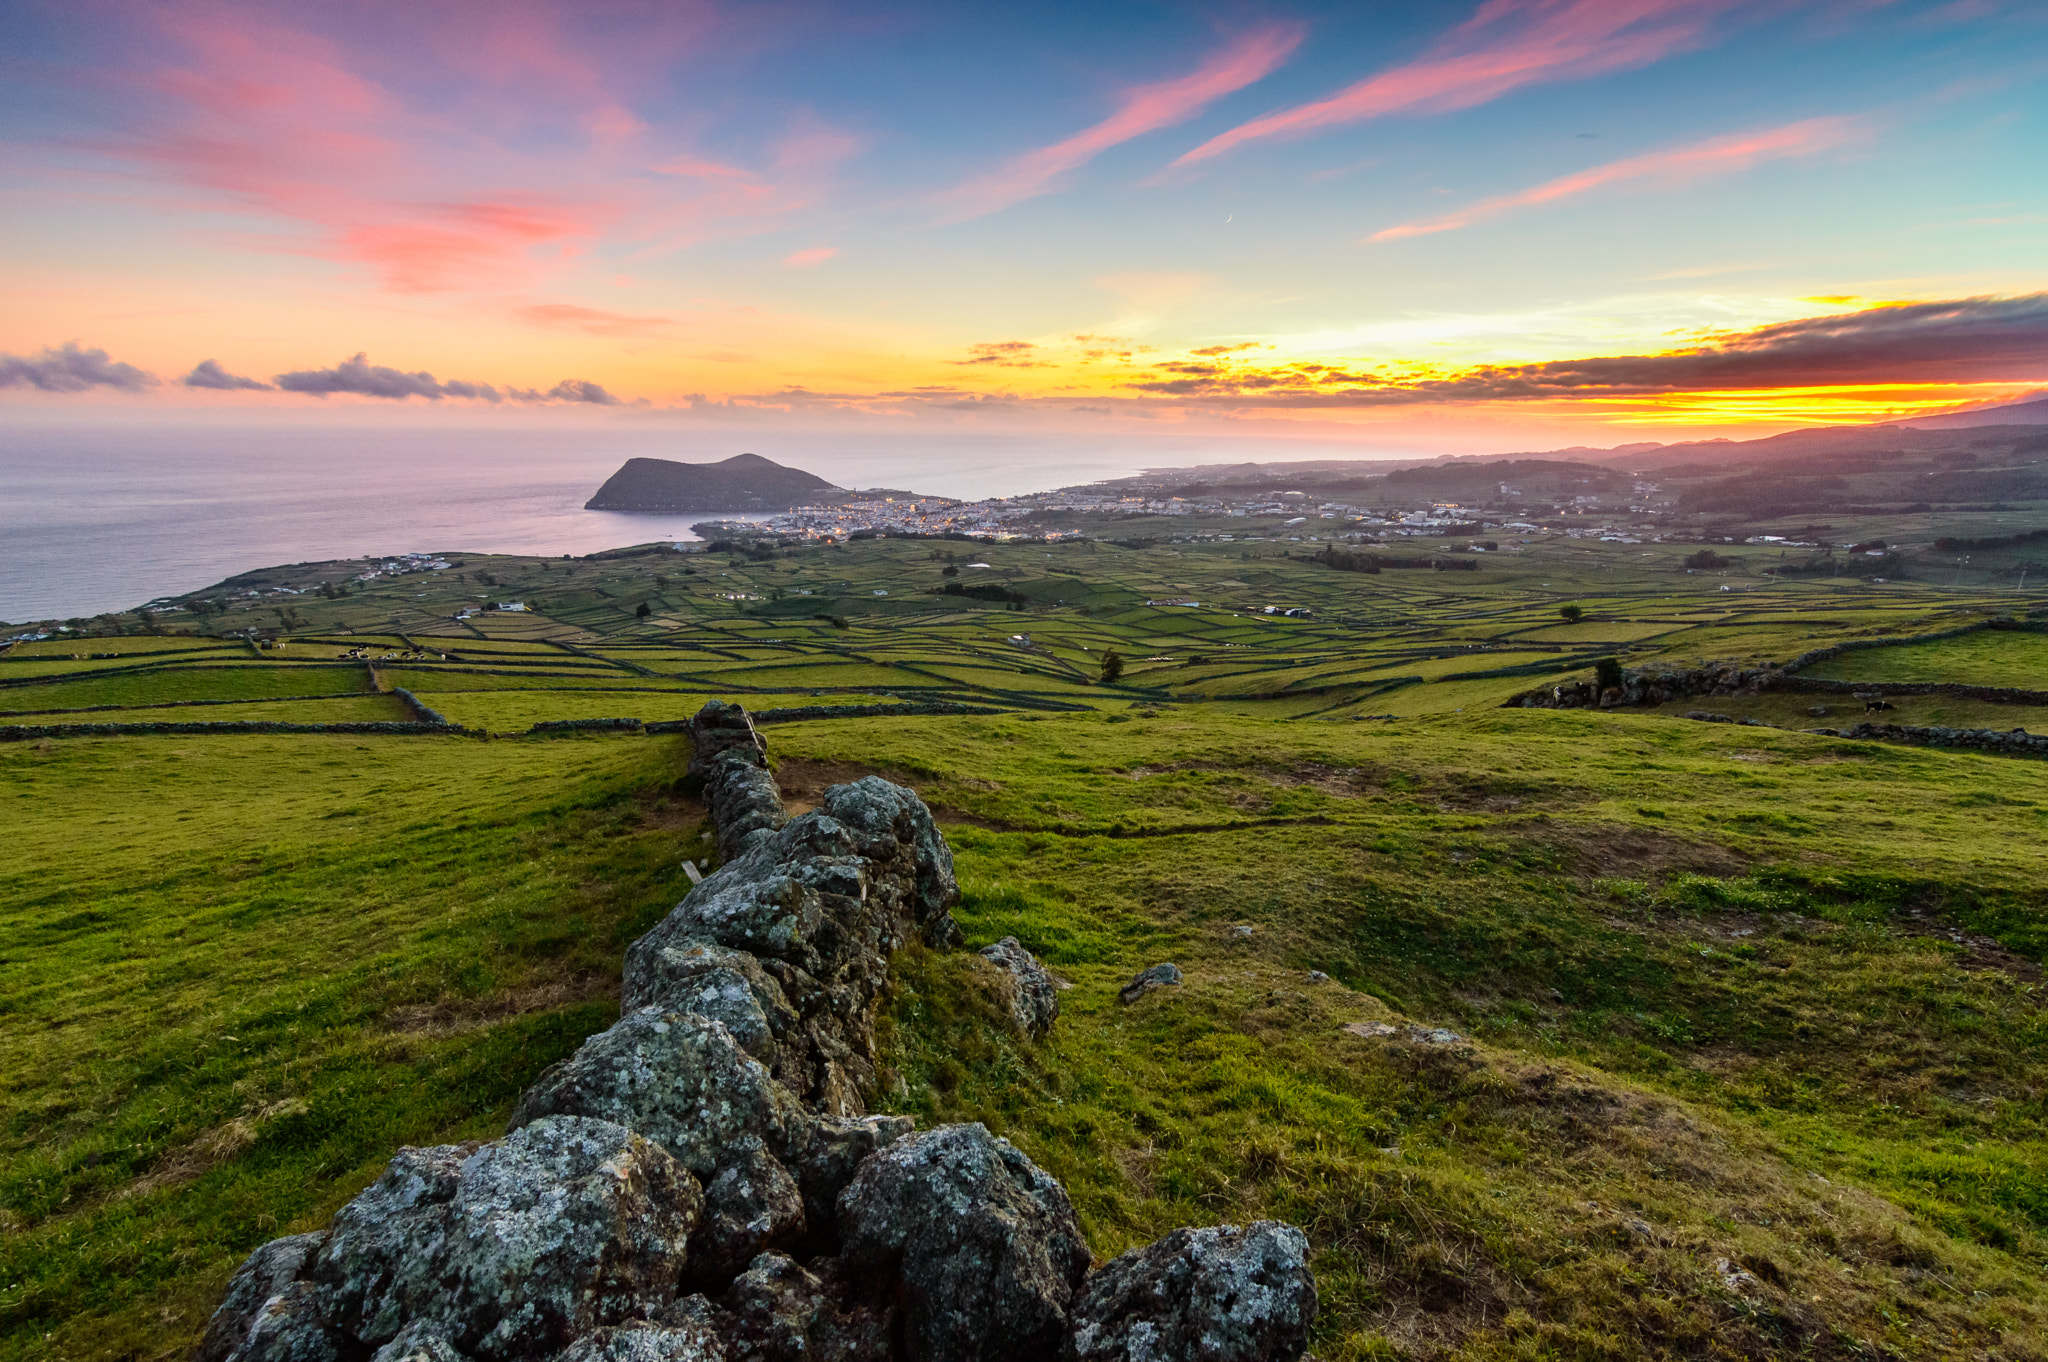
221	1023
1991	657
170	684
1732	998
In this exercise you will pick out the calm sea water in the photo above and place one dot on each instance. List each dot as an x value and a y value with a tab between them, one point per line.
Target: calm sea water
105	519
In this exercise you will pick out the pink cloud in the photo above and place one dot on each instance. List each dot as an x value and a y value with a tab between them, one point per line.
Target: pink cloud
448	148
1505	45
1145	108
806	259
595	321
1678	165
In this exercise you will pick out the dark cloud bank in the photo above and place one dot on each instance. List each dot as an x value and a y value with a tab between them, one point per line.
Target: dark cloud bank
72	369
357	375
208	374
1960	341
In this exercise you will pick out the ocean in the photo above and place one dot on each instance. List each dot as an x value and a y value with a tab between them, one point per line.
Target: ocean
105	518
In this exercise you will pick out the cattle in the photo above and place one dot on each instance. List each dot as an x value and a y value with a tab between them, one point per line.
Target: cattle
1874	703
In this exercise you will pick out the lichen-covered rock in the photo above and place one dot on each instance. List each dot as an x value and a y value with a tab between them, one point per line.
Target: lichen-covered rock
1026	989
729	986
880	812
752	1206
832	1152
677	1078
819	905
647	1341
419	1342
1228	1293
732	761
780	1311
1165	975
290	1327
513	1249
982	1241
264	1273
723	729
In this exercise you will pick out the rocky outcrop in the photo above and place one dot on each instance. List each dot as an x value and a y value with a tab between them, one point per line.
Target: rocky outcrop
702	1180
1223	1294
1650	687
1024	987
2015	742
982	1244
1160	976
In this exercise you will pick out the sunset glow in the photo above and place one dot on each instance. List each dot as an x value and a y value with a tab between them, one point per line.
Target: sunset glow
1559	213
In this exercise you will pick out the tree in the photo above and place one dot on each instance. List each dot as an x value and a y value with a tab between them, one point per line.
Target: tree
644	611
949	571
1112	667
1572	613
1607	674
1705	560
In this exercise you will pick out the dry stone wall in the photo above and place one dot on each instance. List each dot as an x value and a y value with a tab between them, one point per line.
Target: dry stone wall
703	1182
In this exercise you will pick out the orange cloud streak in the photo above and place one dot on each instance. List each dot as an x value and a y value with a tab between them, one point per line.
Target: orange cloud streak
1505	45
1715	156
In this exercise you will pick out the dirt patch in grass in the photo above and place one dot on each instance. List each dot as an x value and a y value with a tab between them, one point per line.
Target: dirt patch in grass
214	1146
1336	780
672	812
1977	952
432	1021
803	782
1617	851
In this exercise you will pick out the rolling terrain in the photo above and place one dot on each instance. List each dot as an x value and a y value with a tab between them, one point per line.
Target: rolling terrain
1587	1033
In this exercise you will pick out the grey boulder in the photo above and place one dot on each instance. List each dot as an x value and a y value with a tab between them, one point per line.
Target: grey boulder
677	1078
263	1274
982	1242
1227	1293
1159	976
289	1327
647	1341
419	1343
753	1205
715	981
1024	986
514	1249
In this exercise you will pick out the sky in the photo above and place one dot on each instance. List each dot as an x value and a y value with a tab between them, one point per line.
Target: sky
1505	225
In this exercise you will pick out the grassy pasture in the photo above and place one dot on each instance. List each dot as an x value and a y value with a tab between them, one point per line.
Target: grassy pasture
1991	657
157	686
1732	996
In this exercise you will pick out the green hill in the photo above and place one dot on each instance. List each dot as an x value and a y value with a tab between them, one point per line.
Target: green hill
745	482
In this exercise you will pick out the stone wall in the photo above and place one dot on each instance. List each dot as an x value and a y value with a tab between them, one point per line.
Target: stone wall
2015	742
704	1180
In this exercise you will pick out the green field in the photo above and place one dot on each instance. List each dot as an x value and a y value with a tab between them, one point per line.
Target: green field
1991	657
164	685
1732	998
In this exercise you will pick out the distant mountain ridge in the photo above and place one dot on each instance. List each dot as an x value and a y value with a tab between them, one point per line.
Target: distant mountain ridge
745	482
2011	414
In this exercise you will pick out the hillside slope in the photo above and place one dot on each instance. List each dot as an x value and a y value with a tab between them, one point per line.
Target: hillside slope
745	482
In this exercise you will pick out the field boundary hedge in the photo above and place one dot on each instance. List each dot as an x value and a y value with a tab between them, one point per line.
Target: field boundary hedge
1954	690
2006	743
177	704
1857	645
28	732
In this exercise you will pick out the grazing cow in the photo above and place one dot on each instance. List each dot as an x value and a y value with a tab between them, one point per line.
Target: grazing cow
1874	703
